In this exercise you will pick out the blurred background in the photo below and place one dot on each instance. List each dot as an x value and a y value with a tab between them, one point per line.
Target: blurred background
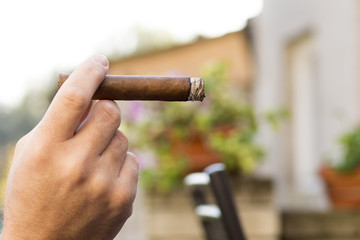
281	112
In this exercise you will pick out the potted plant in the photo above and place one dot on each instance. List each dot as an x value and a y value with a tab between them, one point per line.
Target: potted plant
187	137
343	180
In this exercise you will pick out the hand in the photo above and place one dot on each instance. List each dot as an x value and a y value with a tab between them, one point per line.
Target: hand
71	176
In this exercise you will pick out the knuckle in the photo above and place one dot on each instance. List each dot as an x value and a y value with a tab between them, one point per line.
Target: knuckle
94	70
124	198
39	152
74	98
41	147
129	212
122	138
21	142
125	210
133	158
111	112
127	197
101	186
75	172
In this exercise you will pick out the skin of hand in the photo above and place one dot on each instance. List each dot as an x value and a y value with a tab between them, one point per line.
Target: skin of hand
72	176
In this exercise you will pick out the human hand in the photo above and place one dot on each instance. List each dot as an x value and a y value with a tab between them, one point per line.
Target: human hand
72	176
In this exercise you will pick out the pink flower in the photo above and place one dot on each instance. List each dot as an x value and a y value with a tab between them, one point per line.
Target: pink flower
136	110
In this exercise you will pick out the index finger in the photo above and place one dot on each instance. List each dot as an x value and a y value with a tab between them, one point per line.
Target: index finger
74	97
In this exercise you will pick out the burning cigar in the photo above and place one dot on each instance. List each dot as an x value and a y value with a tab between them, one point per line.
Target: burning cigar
151	88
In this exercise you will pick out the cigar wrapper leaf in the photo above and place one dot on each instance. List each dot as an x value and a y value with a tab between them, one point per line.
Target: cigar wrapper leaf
147	88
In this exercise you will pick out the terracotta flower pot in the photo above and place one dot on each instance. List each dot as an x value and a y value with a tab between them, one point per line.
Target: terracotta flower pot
343	188
196	150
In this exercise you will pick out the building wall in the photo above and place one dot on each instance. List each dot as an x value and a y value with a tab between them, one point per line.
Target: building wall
190	59
333	28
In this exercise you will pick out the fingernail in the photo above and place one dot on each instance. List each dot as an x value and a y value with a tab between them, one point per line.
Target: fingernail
102	60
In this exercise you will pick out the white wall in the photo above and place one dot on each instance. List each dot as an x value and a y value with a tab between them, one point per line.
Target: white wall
334	26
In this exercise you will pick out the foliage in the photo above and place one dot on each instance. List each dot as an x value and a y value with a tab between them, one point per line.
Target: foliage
277	116
224	119
350	142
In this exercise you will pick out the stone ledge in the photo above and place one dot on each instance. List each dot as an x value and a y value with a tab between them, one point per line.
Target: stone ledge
172	217
330	225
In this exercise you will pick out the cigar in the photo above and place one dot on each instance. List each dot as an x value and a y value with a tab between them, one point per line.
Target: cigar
147	88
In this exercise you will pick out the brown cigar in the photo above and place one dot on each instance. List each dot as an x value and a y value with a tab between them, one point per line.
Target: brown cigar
150	88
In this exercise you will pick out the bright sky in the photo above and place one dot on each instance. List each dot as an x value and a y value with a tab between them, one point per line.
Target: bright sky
39	37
